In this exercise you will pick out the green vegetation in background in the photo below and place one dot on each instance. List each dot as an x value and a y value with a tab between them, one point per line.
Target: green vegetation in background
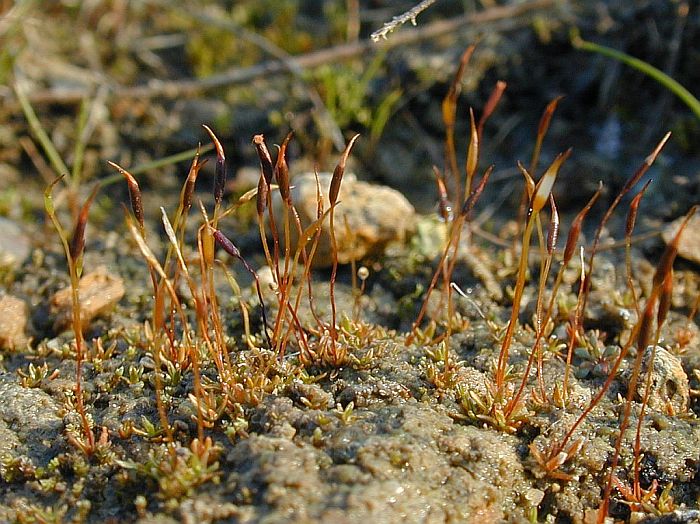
669	83
347	96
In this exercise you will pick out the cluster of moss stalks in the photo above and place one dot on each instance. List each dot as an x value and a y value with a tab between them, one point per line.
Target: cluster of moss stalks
187	337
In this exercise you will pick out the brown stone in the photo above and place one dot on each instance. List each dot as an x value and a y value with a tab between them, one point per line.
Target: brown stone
99	292
367	218
14	317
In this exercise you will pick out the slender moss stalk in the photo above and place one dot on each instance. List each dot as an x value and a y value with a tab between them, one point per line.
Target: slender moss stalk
449	117
537	202
571	242
629	229
333	193
641	337
74	256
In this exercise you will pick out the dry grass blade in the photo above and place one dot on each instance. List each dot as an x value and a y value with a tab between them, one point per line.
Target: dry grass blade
39	132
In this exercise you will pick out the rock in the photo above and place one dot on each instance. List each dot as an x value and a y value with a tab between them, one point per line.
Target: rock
669	383
14	244
375	216
689	244
99	291
14	316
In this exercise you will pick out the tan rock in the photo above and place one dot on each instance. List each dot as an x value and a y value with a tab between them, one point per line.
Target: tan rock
367	218
14	317
689	244
99	292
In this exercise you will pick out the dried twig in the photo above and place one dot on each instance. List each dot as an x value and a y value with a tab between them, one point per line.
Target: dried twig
397	21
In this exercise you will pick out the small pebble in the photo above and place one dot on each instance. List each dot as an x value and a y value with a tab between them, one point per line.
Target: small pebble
14	316
532	497
367	218
99	291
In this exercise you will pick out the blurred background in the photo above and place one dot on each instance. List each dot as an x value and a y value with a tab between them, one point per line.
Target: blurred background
132	82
